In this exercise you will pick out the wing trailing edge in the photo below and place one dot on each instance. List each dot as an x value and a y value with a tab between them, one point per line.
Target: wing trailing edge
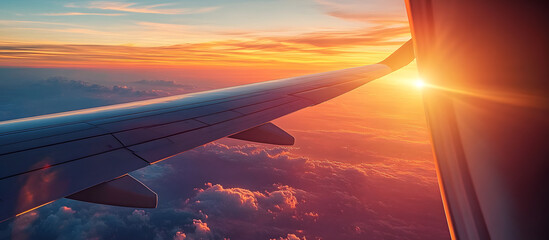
266	133
124	191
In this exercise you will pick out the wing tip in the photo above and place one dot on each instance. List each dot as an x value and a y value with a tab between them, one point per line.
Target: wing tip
401	57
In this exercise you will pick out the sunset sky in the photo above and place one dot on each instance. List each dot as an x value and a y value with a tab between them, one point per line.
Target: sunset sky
361	168
266	34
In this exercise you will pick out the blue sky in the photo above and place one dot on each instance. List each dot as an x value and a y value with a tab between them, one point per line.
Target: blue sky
105	22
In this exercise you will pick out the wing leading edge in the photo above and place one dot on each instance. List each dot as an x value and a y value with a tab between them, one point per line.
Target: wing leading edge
49	157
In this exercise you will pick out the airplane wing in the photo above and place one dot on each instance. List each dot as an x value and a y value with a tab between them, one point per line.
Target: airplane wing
86	154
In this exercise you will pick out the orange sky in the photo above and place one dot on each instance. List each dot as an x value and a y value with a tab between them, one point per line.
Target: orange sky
314	35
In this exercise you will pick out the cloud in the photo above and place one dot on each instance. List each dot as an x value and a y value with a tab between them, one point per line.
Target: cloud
24	98
165	26
266	193
201	230
137	8
290	236
19	22
381	19
20	225
243	203
274	192
372	37
82	14
175	45
323	48
161	83
179	236
80	31
279	196
329	189
139	216
393	11
219	200
59	83
101	222
66	210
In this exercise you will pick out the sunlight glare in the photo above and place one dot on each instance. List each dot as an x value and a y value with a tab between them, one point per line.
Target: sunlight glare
420	83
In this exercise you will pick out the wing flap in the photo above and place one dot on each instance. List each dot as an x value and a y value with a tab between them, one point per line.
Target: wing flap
124	191
266	133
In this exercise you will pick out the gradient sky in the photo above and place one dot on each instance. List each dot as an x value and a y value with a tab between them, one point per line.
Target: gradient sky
361	168
269	34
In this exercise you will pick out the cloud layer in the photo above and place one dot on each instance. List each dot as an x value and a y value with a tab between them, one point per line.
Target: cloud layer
24	98
259	193
320	48
164	8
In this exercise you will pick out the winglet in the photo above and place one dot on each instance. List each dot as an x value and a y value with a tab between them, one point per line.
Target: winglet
266	133
124	191
401	57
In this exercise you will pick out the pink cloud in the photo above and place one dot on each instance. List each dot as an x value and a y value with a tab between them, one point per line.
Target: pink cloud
216	197
273	191
82	14
393	12
228	202
136	8
179	236
290	236
201	232
201	228
139	216
66	210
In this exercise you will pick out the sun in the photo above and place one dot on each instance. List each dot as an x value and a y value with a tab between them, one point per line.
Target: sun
419	83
